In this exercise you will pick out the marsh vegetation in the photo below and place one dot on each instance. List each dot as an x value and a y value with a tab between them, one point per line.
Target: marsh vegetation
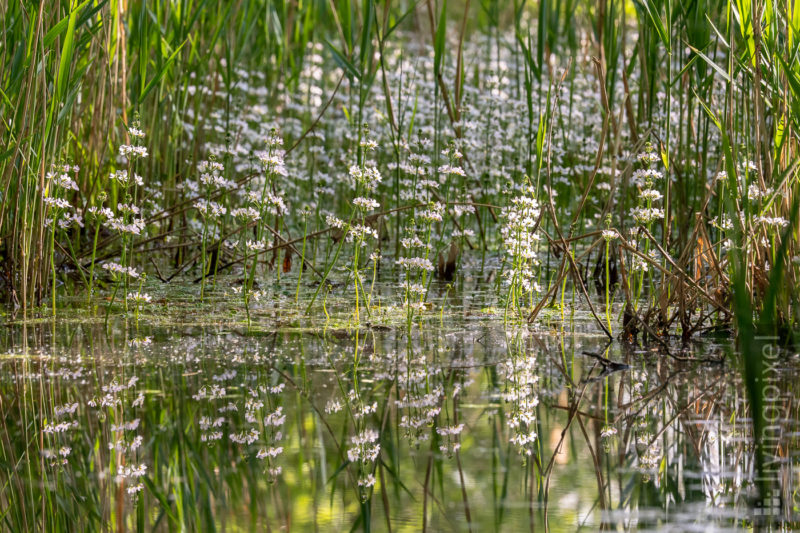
438	265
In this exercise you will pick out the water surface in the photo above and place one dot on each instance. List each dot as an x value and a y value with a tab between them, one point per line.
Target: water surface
188	418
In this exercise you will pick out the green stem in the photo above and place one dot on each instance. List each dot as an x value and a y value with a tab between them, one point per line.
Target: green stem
91	268
53	260
302	259
608	288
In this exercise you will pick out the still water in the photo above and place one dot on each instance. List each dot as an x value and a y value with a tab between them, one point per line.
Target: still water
186	419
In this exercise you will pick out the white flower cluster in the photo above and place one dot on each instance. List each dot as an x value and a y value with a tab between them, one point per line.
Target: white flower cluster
365	204
773	222
521	242
335	222
415	263
209	209
608	432
273	163
275	204
610	234
130	151
422	407
57	203
450	443
271	452
365	409
651	195
140	298
639	264
451	170
212	176
519	238
134	227
643	176
132	473
66	409
117	269
69	219
254	246
246	437
368	177
59	428
333	406
246	214
100	212
62	180
521	391
364	452
413	289
432	214
411	242
210	393
647	215
359	233
121	176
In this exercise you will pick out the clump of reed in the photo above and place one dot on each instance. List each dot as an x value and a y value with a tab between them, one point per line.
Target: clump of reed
650	148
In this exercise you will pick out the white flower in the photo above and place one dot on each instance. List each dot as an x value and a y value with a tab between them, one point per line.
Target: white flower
644	215
276	418
369	177
58	203
644	176
367	481
649	156
138	401
63	181
210	209
116	268
121	176
433	213
368	144
132	152
335	222
521	241
275	204
450	430
365	204
101	212
248	214
66	409
748	165
253	246
651	195
271	452
135	489
754	192
415	263
333	406
774	222
608	432
360	233
140	297
411	242
450	170
413	288
723	222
